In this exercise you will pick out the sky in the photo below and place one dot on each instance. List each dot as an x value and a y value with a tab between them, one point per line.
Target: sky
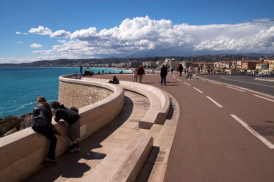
32	30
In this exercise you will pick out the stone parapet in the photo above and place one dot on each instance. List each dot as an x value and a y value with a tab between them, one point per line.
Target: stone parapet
22	153
80	94
159	102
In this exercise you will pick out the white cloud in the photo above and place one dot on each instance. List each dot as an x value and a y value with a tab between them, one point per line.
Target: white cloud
41	30
16	60
84	34
143	36
158	37
35	45
60	33
43	52
20	33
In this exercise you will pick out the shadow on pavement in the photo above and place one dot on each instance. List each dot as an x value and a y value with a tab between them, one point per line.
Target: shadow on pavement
73	165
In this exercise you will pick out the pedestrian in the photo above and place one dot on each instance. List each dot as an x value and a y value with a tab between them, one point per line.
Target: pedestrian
81	70
72	119
140	73
172	70
163	74
115	80
189	73
42	114
181	68
135	72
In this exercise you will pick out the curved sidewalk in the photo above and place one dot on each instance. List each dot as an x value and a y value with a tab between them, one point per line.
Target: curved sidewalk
118	133
121	133
209	145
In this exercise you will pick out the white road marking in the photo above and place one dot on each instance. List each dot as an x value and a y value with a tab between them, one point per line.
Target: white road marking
198	90
225	78
264	98
252	131
212	100
242	88
235	89
214	82
187	84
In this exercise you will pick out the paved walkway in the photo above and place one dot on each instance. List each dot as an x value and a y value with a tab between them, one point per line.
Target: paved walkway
120	133
204	149
210	145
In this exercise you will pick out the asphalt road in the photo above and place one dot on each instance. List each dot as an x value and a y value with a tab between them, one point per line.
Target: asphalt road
248	82
225	133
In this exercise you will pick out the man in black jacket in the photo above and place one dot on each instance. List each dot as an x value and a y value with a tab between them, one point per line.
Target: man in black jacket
47	130
73	120
163	74
181	68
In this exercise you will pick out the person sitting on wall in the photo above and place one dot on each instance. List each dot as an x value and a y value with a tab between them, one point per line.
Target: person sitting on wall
88	72
114	80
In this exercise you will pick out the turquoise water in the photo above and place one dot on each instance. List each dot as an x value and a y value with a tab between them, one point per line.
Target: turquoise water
19	87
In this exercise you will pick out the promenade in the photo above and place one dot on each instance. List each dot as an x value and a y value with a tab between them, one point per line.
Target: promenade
209	144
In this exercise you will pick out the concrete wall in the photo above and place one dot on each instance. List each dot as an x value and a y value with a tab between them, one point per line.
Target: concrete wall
80	94
22	153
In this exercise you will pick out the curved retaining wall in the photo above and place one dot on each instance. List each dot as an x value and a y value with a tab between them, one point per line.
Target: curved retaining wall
80	94
21	153
159	102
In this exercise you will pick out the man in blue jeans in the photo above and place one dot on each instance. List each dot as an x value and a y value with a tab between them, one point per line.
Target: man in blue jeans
73	120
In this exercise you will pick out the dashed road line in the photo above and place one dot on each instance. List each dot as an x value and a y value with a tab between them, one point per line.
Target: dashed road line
216	103
187	84
264	98
198	90
235	88
253	132
214	82
242	88
225	78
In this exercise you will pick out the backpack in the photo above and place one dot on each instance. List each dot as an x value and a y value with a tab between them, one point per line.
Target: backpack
72	114
75	109
39	119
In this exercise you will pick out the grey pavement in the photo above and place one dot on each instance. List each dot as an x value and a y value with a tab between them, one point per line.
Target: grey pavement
208	145
119	133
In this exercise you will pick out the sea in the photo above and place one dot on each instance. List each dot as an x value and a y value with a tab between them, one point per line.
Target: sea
20	87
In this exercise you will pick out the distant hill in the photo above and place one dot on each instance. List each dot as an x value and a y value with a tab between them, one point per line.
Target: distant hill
108	61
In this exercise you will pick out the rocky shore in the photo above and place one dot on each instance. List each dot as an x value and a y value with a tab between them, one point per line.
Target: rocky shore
12	124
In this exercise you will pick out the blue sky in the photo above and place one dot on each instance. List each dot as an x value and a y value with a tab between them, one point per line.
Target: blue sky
52	29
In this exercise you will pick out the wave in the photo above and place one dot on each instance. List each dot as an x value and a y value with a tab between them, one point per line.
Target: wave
14	109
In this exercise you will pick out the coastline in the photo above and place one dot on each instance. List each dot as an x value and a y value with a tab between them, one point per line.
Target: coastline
21	86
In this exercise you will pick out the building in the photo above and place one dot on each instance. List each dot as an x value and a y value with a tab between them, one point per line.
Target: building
262	66
271	65
171	63
249	65
222	66
185	64
149	64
